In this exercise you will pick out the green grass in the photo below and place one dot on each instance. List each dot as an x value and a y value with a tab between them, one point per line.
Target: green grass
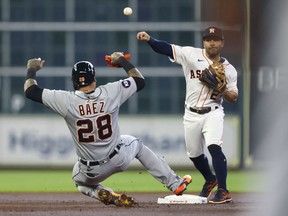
128	181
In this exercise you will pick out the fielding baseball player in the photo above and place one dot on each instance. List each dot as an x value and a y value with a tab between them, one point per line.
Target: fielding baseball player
206	86
91	114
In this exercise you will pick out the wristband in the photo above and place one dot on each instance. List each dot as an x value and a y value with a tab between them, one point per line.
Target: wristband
31	74
127	66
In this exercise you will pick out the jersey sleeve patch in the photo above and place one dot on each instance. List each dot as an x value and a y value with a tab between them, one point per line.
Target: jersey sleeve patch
126	83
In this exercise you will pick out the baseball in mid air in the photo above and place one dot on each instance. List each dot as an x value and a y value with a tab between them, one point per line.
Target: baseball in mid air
127	11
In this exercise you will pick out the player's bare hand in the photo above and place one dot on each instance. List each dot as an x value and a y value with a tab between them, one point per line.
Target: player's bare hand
115	56
35	64
144	36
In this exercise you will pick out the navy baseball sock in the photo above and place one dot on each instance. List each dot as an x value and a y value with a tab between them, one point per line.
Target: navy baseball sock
220	165
201	163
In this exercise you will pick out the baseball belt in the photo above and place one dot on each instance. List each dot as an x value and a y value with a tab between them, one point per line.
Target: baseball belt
95	163
202	110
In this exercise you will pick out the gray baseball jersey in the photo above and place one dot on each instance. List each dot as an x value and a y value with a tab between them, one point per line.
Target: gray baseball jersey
92	118
93	122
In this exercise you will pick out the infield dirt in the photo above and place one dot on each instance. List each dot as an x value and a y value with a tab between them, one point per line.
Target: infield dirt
75	204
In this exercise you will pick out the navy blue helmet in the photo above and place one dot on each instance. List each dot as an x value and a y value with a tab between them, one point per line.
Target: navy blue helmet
83	74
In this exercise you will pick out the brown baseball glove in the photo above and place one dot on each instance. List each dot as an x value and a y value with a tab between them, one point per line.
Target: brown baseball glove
214	77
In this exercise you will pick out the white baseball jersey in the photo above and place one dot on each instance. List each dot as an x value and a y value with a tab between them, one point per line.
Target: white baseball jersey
194	61
92	118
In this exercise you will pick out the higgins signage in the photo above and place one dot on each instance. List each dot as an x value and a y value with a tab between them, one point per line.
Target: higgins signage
46	141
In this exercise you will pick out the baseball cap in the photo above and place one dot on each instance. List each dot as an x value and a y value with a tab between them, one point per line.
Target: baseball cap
213	32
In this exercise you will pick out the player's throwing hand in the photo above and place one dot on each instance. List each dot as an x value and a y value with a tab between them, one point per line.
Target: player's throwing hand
144	36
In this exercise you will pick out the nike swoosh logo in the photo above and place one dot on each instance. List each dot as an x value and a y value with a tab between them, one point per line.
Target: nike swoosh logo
200	60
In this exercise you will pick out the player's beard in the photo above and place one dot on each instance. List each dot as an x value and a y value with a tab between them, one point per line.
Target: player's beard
213	52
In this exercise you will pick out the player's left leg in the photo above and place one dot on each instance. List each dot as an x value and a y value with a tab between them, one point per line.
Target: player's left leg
90	186
112	198
107	195
213	132
220	166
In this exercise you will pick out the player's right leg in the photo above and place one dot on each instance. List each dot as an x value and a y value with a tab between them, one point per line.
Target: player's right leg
194	144
201	163
155	165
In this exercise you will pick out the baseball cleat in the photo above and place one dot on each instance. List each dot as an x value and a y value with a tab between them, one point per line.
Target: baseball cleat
207	188
186	180
221	196
119	200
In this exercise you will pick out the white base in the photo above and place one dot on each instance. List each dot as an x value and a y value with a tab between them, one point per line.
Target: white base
183	199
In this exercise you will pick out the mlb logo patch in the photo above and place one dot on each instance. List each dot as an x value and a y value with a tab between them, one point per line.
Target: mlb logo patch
126	83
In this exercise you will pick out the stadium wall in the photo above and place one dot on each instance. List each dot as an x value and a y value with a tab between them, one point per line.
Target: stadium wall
44	141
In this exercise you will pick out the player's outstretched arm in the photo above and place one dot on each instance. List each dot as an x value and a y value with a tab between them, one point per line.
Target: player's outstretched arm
131	70
31	89
159	46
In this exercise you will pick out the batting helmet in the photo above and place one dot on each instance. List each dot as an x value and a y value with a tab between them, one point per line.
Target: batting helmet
83	74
